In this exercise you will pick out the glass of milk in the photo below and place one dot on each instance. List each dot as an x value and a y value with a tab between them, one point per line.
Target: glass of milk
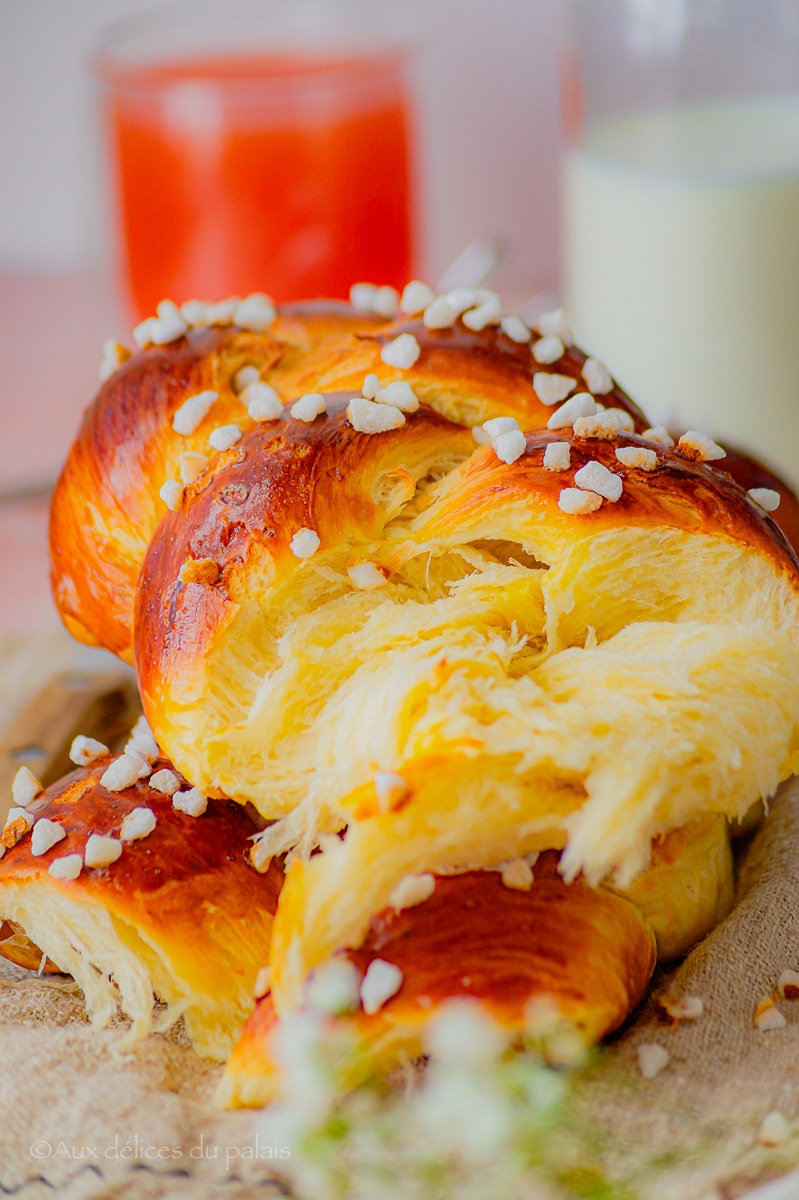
681	210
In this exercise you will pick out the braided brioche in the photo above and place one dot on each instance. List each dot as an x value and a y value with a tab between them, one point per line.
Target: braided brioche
453	607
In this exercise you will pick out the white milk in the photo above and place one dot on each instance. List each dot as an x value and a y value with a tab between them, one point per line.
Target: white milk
682	266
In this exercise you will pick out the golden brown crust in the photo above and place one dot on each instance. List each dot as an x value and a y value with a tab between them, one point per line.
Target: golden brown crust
106	505
503	946
588	952
186	884
678	494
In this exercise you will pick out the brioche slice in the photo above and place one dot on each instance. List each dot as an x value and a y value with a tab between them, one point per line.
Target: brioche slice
175	915
587	952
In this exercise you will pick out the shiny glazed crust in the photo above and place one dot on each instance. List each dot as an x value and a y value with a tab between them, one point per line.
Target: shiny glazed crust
106	507
590	953
182	901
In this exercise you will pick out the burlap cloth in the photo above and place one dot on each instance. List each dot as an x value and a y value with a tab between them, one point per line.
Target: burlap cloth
79	1117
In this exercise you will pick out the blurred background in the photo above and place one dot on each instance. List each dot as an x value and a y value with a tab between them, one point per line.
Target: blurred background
636	159
484	126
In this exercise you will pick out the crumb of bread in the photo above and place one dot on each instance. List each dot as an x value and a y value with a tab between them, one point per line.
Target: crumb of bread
555	323
122	773
767	1017
416	297
114	355
683	1008
255	313
659	434
400	394
485	314
224	437
788	985
244	377
371	386
172	494
774	1130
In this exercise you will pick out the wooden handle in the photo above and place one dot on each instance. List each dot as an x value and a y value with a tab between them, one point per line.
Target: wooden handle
101	705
